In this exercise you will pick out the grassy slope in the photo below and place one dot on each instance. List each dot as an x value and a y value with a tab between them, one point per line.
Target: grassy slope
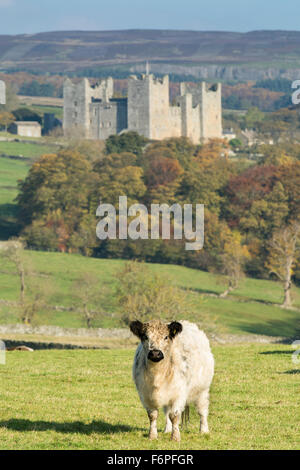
10	172
244	312
25	149
57	110
75	400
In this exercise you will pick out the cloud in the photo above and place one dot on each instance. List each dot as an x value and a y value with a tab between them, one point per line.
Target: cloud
6	3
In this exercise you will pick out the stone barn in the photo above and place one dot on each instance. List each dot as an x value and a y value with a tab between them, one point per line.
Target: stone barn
26	128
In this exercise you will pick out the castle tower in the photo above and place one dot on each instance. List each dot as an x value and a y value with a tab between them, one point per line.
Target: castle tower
211	111
77	103
148	106
206	98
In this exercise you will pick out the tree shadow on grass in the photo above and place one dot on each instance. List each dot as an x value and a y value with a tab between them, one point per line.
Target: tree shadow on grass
276	351
292	371
100	427
288	327
9	226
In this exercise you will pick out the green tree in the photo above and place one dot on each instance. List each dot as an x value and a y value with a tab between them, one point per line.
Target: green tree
145	295
89	295
127	142
32	297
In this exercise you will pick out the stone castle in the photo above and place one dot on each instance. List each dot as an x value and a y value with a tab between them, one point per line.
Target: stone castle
95	114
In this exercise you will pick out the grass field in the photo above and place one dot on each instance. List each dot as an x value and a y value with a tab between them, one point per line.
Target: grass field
253	308
57	110
26	149
76	400
10	172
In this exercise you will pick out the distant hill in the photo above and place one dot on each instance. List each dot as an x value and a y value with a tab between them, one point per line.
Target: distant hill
203	54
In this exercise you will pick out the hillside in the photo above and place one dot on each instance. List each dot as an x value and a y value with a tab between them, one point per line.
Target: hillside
253	308
204	54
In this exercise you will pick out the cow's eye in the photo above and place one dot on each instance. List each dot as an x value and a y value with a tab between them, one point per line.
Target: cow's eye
166	338
144	337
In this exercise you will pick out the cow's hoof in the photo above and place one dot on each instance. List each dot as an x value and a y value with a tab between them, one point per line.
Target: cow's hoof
153	436
175	437
204	431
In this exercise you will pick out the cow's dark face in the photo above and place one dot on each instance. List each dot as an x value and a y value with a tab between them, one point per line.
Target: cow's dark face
156	337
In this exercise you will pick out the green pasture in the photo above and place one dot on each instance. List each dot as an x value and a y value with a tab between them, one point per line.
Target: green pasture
253	308
86	400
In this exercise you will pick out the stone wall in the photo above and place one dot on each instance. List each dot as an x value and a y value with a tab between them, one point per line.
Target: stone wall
57	331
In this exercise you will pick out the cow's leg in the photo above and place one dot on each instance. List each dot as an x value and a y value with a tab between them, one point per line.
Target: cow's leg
168	427
153	414
175	419
202	408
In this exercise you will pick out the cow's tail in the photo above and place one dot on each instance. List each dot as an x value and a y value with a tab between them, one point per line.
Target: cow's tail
185	416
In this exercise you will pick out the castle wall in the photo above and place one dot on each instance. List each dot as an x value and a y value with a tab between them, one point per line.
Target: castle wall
108	118
93	113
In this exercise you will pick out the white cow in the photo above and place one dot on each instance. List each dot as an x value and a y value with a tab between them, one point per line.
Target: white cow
173	367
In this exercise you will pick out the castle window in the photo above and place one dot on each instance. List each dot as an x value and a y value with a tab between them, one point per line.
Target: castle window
75	114
75	103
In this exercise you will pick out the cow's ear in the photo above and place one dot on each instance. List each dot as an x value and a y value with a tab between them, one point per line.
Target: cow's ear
137	328
174	328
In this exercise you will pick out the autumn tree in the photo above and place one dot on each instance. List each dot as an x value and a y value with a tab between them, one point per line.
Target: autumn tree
266	214
56	190
6	118
233	260
289	176
119	175
205	179
284	249
253	184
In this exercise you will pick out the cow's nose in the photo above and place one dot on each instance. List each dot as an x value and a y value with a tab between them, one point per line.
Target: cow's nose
155	355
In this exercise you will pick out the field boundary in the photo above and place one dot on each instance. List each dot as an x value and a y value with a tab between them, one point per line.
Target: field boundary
104	338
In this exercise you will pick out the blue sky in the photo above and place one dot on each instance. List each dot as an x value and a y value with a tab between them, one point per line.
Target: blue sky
31	16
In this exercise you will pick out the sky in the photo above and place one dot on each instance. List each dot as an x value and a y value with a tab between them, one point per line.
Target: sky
32	16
